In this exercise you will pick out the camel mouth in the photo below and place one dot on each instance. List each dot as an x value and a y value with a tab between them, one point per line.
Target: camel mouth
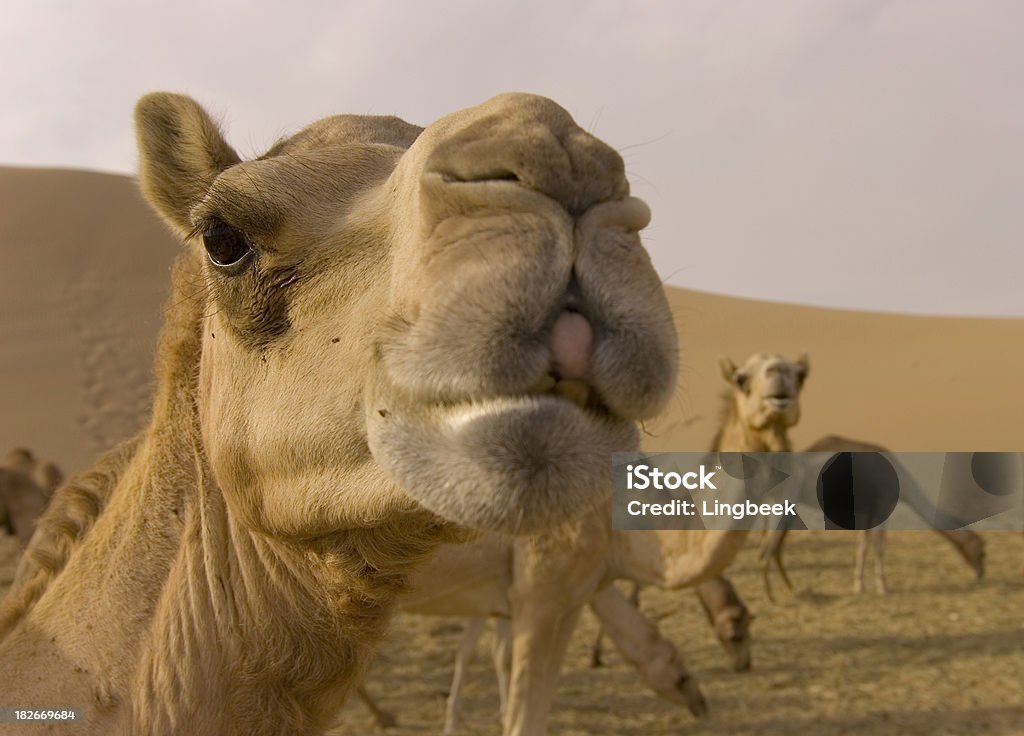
581	394
514	464
779	402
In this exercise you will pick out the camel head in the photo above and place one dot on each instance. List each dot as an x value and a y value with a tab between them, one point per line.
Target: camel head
45	474
460	318
766	389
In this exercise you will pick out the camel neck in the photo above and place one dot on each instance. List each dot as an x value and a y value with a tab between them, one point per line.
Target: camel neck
252	635
772	438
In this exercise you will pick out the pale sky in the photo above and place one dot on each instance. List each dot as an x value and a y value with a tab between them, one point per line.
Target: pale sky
851	153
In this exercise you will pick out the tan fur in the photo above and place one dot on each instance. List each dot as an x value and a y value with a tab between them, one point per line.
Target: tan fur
374	367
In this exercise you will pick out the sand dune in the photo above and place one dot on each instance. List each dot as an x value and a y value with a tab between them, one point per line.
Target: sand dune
86	272
910	383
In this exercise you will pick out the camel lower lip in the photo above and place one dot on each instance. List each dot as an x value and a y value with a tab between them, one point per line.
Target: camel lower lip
460	413
511	464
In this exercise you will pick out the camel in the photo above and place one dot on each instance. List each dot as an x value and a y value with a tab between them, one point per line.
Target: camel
755	417
762	403
539	584
637	639
26	484
379	337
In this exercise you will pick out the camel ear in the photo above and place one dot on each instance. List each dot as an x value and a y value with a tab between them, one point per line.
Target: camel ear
49	477
804	364
181	152
728	369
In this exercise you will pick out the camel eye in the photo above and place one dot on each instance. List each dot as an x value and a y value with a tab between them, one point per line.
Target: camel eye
741	381
227	246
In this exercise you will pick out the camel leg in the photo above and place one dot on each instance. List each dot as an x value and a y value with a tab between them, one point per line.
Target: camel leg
861	559
502	653
641	644
771	551
766	579
729	617
596	651
551	584
878	544
782	568
467	648
381	717
540	637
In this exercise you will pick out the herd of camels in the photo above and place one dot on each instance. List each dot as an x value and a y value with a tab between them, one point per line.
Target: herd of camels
393	367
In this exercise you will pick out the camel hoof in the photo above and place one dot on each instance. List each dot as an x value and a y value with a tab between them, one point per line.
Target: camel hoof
698	706
742	665
973	552
695	701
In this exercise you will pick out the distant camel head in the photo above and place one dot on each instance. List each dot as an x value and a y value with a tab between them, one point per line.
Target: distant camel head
45	474
21	459
766	389
461	317
26	485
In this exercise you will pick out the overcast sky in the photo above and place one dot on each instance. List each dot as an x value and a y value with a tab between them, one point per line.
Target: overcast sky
850	153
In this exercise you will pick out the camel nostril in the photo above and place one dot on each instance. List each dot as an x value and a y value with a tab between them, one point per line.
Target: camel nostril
570	343
483	175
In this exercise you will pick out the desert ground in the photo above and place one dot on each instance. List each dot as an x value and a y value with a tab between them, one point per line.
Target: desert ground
940	654
85	274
